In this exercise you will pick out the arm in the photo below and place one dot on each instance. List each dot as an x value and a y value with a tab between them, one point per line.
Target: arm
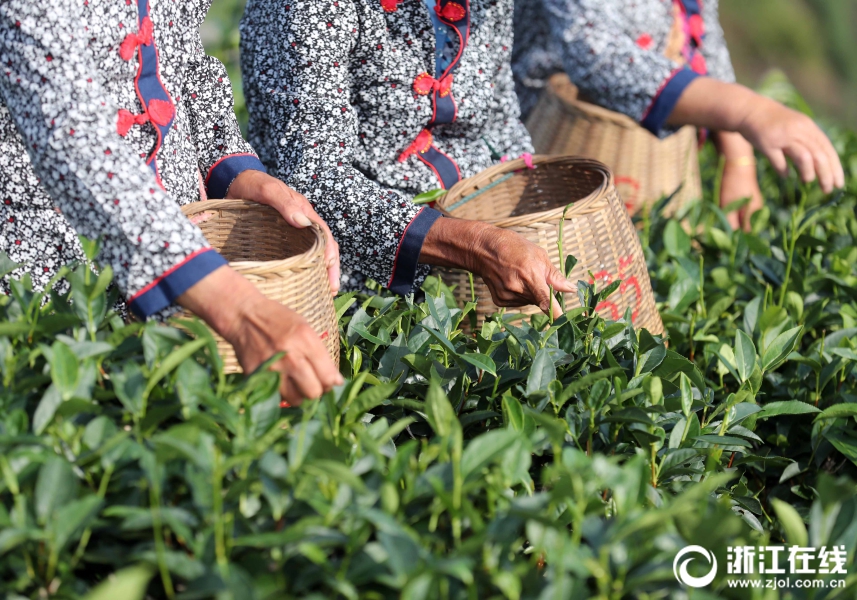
307	111
68	125
228	164
612	67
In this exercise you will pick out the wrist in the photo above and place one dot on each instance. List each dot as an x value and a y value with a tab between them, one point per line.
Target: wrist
456	243
250	185
223	300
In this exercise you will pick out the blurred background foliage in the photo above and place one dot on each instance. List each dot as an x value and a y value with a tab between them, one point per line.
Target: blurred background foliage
811	41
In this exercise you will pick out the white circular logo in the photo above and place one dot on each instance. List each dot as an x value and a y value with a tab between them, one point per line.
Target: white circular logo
687	579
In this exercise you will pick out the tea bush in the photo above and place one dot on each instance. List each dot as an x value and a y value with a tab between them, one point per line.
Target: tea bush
535	459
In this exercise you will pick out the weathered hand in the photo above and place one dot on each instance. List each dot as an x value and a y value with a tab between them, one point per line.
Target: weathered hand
258	328
775	130
739	182
517	272
780	132
294	207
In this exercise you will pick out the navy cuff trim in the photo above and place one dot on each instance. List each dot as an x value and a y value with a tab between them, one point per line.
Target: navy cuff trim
225	170
408	254
664	103
164	290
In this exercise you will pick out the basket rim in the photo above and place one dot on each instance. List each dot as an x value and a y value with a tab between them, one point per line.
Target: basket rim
587	205
304	260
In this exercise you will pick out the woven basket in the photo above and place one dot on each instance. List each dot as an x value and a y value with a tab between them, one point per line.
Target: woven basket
284	263
645	168
597	230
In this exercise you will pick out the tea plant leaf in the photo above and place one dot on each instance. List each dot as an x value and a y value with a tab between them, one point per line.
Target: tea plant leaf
586	381
342	303
439	411
128	584
485	448
64	369
382	339
723	440
173	360
46	409
838	411
791	522
391	364
369	399
786	407
513	413
745	355
74	517
676	240
542	372
480	361
686	395
779	349
651	359
56	485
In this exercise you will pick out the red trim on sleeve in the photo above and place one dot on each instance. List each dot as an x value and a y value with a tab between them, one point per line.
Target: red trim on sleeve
399	247
166	273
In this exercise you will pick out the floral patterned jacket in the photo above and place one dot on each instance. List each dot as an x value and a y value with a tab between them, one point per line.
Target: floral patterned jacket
353	104
110	111
632	56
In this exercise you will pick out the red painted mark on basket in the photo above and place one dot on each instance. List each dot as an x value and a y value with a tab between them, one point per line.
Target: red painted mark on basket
631	182
629	282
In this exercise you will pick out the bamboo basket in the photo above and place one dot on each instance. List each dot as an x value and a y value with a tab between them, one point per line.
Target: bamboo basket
285	264
597	230
645	168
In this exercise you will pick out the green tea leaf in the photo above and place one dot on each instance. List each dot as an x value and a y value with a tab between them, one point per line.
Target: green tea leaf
542	372
838	411
480	361
791	522
127	584
55	487
745	355
175	358
786	407
439	411
779	349
686	395
64	369
676	240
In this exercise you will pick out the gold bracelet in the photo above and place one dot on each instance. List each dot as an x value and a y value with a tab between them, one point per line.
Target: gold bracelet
741	161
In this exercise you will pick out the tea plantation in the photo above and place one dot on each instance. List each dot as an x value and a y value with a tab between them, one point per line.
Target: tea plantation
552	460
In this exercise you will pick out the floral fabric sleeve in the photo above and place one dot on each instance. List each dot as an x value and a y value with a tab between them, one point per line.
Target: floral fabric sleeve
301	108
612	67
223	153
504	123
68	125
714	47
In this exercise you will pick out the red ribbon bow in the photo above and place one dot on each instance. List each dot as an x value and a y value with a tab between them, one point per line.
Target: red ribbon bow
390	5
420	145
160	112
451	11
424	84
132	40
697	28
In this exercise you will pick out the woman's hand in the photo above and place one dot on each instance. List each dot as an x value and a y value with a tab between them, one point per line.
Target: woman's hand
773	129
739	182
260	187
739	177
517	272
780	132
258	328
